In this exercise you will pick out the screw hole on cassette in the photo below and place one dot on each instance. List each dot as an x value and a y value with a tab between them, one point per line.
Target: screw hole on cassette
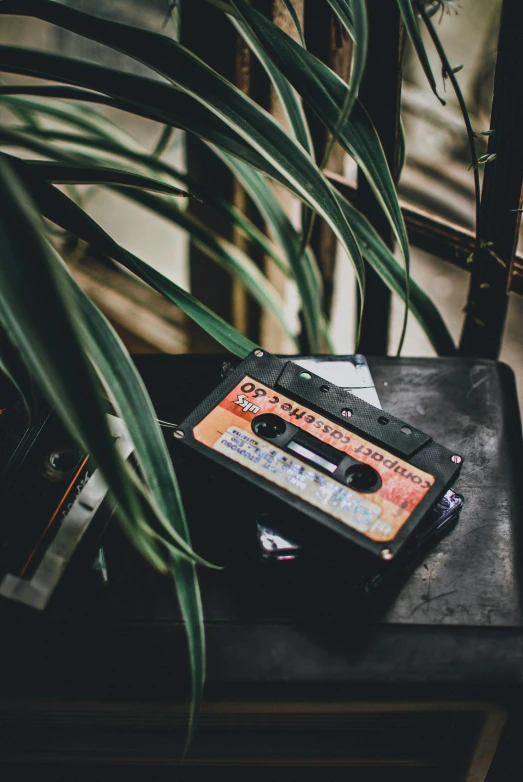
382	420
324	389
406	430
305	376
346	413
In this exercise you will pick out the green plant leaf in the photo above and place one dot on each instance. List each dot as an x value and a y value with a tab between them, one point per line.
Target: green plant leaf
376	252
304	268
255	185
227	255
402	147
134	405
38	142
353	15
307	288
288	98
62	109
14	368
58	208
343	10
164	141
412	28
188	73
76	173
325	92
36	310
136	94
294	16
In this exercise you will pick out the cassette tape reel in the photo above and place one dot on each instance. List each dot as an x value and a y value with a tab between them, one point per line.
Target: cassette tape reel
363	473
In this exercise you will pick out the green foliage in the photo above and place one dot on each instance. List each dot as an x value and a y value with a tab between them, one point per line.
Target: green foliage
52	334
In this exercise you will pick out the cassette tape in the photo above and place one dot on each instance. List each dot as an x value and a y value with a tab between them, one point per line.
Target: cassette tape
339	460
52	502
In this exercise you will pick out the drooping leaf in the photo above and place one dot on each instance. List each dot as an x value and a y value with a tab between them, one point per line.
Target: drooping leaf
36	310
136	94
325	93
288	98
223	252
134	405
402	147
304	267
353	15
64	173
376	252
412	28
164	141
294	16
58	208
298	123
188	73
343	10
14	368
78	147
64	110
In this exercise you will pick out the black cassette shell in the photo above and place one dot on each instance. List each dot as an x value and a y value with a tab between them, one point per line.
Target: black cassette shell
350	413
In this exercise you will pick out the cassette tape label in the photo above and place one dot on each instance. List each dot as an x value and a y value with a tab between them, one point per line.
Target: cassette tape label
227	429
299	478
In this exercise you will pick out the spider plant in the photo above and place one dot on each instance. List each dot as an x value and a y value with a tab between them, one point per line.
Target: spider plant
54	335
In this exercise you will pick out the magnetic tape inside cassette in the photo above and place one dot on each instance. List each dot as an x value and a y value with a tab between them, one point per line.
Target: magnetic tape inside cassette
366	475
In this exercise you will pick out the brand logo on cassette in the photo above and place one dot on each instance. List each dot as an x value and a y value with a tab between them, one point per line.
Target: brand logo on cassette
385	511
247	407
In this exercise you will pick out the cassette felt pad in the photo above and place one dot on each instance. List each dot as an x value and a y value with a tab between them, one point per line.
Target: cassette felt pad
345	463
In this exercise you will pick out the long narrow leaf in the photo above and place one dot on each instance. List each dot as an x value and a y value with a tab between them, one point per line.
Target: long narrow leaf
14	368
92	76
35	308
305	269
376	252
64	173
136	94
134	404
38	141
307	288
326	93
412	28
58	208
63	110
231	258
353	16
294	16
343	10
218	249
190	74
288	98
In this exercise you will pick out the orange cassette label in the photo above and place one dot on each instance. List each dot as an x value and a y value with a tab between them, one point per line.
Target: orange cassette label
379	516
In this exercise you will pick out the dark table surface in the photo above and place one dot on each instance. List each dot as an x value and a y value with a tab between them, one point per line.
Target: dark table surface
456	620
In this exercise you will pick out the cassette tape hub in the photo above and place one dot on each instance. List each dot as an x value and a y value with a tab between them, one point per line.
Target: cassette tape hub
320	437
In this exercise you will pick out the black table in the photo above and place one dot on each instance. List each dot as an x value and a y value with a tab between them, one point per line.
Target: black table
413	683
